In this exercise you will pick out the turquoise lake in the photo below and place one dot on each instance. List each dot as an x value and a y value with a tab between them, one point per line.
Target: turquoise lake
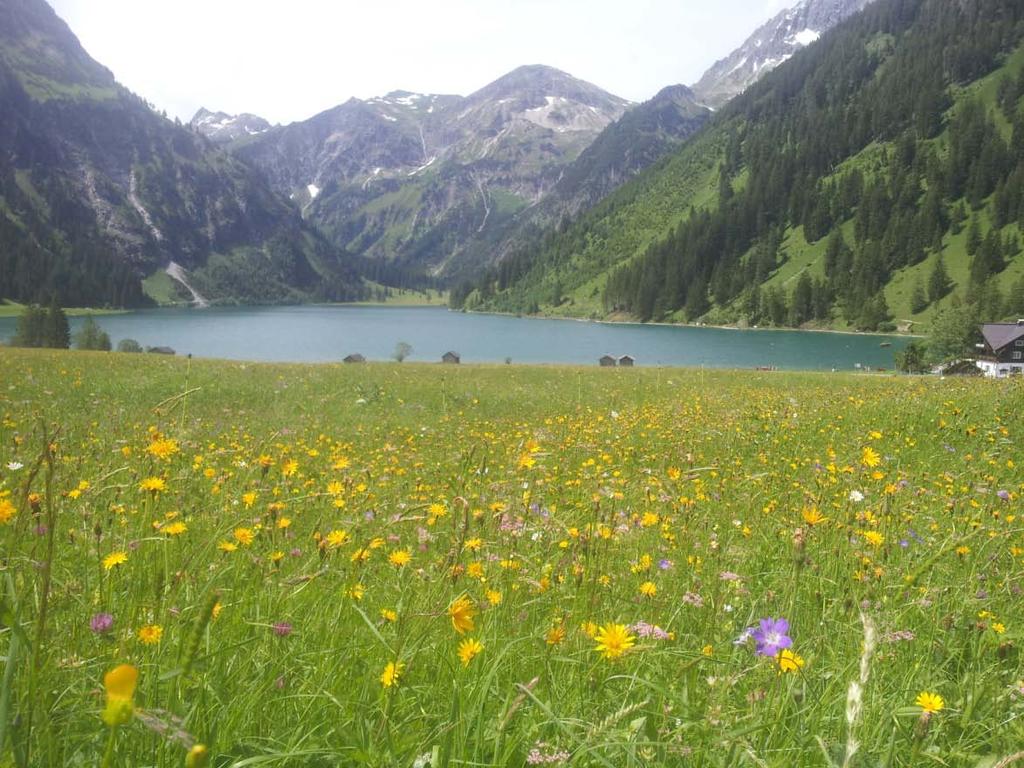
328	333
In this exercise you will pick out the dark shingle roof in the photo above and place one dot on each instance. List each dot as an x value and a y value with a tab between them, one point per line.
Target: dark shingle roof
998	335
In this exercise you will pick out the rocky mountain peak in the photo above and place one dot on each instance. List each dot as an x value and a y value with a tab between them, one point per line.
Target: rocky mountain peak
221	128
770	45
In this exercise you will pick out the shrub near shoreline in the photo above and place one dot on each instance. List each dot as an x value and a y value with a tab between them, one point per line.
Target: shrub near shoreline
397	565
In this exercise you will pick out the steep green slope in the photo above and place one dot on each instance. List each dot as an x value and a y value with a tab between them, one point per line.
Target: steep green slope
897	130
98	191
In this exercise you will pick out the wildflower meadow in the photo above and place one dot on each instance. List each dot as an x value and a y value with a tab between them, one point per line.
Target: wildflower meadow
222	564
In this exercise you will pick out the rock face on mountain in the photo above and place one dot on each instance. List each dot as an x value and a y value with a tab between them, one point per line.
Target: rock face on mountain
773	43
98	191
411	178
222	128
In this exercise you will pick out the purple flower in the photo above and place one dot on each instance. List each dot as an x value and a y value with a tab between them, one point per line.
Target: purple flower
771	637
665	564
282	629
1003	494
101	623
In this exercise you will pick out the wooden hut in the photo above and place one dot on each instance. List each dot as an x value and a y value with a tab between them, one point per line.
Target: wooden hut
451	358
626	361
607	361
354	358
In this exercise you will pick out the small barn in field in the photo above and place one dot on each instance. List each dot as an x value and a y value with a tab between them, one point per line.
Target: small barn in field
626	361
354	358
451	358
606	361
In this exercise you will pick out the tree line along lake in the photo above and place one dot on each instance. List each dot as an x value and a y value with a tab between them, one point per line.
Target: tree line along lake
329	333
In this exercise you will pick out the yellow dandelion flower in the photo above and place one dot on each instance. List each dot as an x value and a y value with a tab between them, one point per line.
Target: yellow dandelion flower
175	529
244	536
361	555
931	703
812	516
388	615
468	650
356	591
249	498
153	484
648	589
115	559
874	538
289	468
869	457
336	538
6	510
400	557
555	635
392	672
283	522
789	661
163	448
461	612
613	640
494	597
150	634
227	546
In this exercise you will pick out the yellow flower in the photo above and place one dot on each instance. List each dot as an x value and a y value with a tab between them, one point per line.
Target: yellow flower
391	673
6	510
494	597
249	498
153	484
812	516
289	468
400	557
468	649
197	757
869	457
361	555
789	661
613	640
708	650
151	634
243	536
930	702
227	546
555	635
648	589
283	522
388	615
336	538
874	538
115	559
356	591
163	448
461	612
175	529
119	684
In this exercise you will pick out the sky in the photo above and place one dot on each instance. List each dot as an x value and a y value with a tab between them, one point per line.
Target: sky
287	61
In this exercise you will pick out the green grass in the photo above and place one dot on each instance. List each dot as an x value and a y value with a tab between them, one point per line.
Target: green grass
163	289
556	500
407	297
10	308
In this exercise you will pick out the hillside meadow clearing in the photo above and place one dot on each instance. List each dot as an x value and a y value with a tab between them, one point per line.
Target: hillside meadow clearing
211	563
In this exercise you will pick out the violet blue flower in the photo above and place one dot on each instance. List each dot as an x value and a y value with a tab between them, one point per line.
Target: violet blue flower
771	637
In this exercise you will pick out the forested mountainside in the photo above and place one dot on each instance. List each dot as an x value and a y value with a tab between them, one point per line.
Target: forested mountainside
875	177
97	191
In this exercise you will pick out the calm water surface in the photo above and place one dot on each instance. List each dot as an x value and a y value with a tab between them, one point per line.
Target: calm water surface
316	334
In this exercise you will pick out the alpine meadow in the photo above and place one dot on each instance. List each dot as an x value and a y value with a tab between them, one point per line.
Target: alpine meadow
809	560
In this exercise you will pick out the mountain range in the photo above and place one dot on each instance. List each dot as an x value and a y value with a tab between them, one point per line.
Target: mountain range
105	201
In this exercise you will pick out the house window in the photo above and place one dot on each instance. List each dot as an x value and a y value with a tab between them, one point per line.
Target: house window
1017	355
1019	343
